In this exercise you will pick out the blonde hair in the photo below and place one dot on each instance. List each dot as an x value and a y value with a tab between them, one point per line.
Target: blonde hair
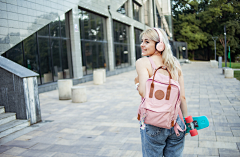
168	59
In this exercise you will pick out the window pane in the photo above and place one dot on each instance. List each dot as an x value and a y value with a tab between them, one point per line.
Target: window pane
66	59
63	25
136	11
93	40
45	60
88	53
56	57
55	28
94	56
138	51
31	55
15	54
123	9
44	31
121	44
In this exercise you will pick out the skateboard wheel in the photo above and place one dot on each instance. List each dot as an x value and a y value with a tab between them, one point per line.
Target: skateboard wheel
189	119
194	132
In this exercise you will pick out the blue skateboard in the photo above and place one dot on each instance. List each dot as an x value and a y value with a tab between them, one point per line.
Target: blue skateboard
195	123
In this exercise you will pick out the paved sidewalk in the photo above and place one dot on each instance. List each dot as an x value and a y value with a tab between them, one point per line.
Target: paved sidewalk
106	124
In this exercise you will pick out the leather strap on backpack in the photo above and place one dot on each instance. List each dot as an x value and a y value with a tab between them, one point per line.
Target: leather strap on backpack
169	86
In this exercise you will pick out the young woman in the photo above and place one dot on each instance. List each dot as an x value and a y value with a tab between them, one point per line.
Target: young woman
158	142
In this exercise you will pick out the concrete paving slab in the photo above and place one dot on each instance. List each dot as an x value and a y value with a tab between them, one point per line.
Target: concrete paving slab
106	124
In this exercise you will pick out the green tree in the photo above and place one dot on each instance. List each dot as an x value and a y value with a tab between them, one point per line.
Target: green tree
196	21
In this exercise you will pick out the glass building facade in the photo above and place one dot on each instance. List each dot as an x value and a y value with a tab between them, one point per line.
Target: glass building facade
84	38
136	11
121	44
93	41
123	9
46	52
138	50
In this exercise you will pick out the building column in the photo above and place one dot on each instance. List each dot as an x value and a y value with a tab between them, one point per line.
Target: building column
132	46
110	43
131	35
75	43
151	21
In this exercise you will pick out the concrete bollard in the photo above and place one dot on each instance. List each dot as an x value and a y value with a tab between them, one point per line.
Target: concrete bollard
79	94
64	89
47	77
60	75
104	74
97	77
214	63
223	69
228	73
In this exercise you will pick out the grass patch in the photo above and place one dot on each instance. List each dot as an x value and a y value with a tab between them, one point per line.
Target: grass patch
233	65
237	75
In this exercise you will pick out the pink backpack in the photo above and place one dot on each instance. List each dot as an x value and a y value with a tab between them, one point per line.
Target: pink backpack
161	104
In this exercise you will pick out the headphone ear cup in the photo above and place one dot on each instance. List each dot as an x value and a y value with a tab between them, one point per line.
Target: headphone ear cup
160	46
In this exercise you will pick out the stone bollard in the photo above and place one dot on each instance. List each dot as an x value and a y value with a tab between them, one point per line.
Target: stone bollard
223	69
104	74
214	63
79	94
228	73
97	77
47	77
64	89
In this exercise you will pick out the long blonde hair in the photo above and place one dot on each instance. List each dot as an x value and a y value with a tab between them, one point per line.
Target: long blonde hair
167	56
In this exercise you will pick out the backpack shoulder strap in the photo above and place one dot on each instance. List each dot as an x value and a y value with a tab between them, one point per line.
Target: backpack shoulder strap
152	63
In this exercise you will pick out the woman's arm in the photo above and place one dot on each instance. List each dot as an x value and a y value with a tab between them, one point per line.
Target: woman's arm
143	76
183	104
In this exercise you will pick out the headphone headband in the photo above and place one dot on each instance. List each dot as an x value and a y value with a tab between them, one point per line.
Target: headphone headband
159	34
160	46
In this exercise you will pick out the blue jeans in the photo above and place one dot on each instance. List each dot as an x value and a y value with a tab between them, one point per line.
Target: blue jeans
158	142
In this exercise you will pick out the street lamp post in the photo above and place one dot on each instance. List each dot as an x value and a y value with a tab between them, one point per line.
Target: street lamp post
225	46
215	38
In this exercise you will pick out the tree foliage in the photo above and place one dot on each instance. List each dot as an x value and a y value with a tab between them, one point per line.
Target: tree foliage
197	21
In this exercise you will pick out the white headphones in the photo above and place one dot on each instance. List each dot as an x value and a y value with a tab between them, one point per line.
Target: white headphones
160	46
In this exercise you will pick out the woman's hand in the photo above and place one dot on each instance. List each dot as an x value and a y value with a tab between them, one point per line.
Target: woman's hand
136	80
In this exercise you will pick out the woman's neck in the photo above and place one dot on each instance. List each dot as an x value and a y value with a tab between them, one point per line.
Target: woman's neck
158	58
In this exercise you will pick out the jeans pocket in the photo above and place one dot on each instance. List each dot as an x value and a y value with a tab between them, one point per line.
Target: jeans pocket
153	130
181	123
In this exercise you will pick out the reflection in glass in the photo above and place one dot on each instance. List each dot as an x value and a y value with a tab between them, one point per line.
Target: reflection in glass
121	44
56	58
45	60
158	18
65	57
55	28
138	50
44	31
93	41
123	9
46	52
88	53
136	11
146	12
15	54
63	25
31	56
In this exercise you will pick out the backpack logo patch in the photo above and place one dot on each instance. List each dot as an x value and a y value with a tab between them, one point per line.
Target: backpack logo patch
159	94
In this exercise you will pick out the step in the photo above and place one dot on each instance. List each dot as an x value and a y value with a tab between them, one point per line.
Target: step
2	109
13	126
7	117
